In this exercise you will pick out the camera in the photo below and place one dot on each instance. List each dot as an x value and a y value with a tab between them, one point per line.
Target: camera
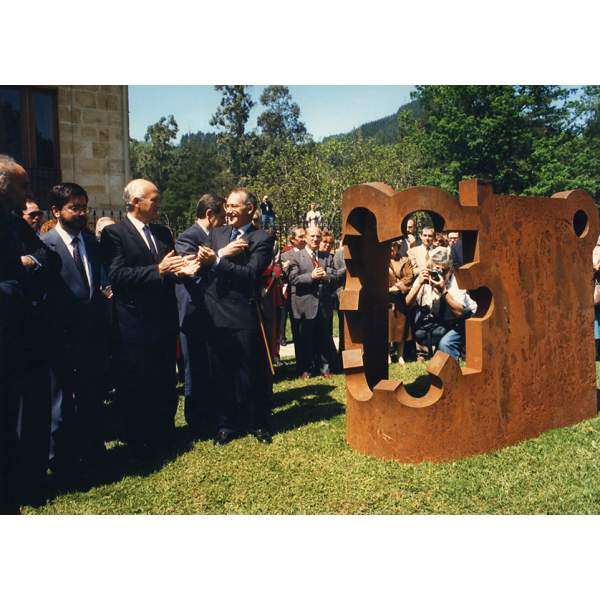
435	276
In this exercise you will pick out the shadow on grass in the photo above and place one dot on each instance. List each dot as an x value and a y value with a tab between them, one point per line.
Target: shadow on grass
120	461
308	404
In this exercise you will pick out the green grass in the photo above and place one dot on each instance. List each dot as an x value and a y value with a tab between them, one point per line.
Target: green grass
309	469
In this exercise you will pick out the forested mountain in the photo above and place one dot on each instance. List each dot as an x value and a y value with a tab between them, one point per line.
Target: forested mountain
381	131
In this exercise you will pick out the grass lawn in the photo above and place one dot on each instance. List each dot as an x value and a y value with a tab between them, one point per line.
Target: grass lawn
309	469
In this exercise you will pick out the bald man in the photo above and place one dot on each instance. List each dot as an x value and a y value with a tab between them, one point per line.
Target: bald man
142	267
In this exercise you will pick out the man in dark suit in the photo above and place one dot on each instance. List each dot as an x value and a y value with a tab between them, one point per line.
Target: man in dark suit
79	335
142	267
193	320
12	318
233	264
456	249
26	398
313	280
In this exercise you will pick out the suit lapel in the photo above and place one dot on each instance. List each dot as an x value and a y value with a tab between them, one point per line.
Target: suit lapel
137	238
72	275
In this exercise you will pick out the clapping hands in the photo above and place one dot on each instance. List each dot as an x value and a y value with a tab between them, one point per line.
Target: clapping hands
190	268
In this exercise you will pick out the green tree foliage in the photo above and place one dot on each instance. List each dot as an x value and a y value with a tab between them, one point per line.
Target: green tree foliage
524	139
230	119
281	117
296	175
154	158
521	138
181	172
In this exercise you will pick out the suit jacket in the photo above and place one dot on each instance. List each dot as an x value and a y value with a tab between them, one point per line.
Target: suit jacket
456	253
12	305
418	259
190	291
308	293
233	285
78	316
145	303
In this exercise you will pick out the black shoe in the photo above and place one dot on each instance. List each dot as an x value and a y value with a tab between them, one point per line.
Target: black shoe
263	436
277	362
283	342
224	436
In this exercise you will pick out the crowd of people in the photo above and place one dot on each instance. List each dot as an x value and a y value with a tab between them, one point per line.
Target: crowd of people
118	314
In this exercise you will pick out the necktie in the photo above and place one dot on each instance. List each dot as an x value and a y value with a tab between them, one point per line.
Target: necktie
79	263
314	259
427	254
153	249
234	233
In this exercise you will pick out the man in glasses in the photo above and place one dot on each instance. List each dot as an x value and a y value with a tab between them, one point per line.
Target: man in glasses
78	336
33	215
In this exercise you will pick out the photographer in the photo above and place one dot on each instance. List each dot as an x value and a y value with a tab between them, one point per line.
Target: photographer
440	309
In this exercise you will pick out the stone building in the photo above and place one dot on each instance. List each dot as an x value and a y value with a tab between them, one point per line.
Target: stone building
76	133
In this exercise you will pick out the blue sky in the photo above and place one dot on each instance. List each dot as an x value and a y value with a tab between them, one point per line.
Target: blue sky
325	109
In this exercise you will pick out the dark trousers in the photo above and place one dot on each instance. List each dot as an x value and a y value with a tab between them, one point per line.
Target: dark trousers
315	343
285	309
146	390
33	427
9	457
198	386
77	430
242	379
12	362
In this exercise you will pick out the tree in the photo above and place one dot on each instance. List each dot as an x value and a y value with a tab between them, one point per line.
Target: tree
488	132
154	159
281	118
230	119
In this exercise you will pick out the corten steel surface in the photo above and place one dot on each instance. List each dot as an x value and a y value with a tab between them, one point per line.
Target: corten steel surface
529	350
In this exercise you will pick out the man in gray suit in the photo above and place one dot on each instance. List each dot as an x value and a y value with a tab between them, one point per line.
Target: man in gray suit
313	280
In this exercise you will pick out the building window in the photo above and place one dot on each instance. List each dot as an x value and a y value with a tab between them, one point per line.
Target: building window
29	133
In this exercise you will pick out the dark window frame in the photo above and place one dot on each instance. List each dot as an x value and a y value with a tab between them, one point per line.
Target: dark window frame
42	178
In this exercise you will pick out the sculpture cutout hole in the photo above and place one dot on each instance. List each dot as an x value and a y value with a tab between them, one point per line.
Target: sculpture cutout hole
484	298
580	223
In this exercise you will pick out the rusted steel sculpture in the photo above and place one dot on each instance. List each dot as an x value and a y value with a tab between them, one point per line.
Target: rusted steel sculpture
529	349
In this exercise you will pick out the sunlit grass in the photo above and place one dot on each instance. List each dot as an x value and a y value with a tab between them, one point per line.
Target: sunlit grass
310	469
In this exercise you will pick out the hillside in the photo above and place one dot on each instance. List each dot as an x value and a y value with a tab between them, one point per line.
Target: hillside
383	131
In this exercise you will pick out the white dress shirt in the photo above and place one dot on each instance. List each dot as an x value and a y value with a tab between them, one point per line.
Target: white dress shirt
67	238
139	225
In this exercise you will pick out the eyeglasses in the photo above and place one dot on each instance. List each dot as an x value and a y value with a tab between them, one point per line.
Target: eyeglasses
34	213
77	209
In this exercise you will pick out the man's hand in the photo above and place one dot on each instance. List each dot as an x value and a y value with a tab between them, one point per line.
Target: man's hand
28	262
107	291
206	256
423	277
318	273
233	248
190	268
170	264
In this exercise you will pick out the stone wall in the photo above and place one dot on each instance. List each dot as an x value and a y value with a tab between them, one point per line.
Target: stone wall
93	137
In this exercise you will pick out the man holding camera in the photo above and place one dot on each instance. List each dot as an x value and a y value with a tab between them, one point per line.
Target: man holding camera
440	308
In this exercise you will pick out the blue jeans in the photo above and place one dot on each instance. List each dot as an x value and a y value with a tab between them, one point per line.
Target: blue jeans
452	343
